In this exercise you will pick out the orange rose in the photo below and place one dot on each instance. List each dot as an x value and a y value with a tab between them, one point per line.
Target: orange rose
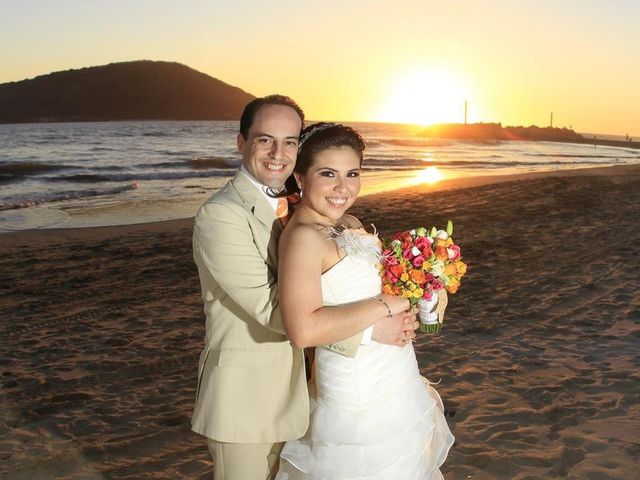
388	289
418	277
441	252
451	269
396	270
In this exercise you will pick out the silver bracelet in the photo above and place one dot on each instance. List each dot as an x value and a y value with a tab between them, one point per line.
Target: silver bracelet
385	304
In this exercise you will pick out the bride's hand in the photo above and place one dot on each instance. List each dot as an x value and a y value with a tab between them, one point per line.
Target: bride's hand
397	330
396	304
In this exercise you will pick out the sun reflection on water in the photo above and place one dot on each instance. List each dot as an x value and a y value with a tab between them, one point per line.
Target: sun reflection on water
429	175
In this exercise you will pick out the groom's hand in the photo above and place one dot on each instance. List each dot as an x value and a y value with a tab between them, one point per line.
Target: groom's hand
397	330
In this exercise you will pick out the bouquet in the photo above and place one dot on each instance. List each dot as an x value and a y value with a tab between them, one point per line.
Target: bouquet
423	265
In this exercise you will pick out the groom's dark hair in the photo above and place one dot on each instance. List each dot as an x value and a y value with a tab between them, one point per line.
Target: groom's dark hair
250	110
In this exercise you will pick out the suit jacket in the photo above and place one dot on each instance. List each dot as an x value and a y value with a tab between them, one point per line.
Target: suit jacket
251	379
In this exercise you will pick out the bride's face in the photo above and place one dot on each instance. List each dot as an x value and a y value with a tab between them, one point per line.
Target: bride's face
332	182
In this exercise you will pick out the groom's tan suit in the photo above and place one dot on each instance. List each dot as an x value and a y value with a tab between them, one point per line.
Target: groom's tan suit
251	379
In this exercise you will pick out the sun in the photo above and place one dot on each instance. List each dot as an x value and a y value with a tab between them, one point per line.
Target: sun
424	97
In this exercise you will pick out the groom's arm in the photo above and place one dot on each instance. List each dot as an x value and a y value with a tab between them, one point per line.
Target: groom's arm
348	347
223	243
391	331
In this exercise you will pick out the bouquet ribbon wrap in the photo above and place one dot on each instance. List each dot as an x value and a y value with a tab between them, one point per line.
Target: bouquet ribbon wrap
431	312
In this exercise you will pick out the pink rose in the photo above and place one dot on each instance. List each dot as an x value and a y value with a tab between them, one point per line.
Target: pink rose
437	285
407	253
418	261
454	252
421	242
427	295
390	277
390	260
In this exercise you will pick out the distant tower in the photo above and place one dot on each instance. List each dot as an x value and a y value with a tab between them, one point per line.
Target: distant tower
465	111
551	122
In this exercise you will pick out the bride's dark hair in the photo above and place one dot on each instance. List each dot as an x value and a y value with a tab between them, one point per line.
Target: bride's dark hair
317	138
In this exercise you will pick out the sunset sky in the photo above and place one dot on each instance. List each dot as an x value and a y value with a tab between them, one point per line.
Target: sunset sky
367	60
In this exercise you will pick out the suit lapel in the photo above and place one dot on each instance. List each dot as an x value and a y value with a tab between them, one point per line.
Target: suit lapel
254	199
263	212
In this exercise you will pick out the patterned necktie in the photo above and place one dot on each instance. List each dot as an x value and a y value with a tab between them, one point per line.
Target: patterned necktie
282	210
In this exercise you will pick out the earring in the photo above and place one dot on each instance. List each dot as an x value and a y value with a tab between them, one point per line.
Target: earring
300	188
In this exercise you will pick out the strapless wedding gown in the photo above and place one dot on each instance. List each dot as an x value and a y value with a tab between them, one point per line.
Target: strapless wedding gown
373	416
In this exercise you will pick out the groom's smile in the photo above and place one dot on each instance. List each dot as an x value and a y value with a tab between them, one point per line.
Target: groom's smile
269	152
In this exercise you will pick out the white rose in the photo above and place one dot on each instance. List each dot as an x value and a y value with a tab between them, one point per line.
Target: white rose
412	232
442	235
437	268
416	251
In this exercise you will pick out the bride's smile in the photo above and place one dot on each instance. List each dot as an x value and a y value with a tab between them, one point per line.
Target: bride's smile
331	184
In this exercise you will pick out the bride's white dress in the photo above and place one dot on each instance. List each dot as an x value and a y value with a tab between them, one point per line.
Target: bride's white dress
372	416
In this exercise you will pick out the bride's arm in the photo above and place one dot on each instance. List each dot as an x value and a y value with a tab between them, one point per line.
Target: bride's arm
307	322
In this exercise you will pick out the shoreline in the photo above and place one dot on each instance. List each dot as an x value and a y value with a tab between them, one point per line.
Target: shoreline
385	186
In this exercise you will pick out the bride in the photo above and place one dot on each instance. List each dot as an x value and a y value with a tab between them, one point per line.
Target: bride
372	416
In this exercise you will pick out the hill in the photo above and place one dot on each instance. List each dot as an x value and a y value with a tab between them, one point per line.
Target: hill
139	90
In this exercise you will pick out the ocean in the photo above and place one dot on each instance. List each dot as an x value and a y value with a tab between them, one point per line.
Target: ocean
105	173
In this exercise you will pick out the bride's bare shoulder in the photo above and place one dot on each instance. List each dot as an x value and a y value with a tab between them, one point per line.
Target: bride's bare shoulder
308	234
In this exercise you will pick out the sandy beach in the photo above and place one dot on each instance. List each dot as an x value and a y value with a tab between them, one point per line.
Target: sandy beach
538	363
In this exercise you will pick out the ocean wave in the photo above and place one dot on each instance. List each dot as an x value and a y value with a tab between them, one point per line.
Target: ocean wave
14	170
81	178
170	164
156	134
137	176
55	136
198	162
107	168
15	202
202	162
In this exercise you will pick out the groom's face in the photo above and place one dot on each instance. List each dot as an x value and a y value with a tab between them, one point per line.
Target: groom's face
270	149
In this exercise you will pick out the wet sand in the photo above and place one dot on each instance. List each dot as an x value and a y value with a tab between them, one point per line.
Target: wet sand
539	366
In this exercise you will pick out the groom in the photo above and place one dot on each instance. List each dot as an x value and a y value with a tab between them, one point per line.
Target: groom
251	394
